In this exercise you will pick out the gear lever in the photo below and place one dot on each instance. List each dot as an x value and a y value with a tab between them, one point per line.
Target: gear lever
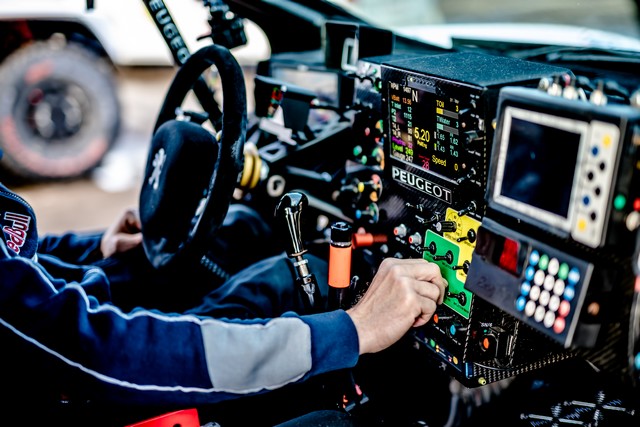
289	211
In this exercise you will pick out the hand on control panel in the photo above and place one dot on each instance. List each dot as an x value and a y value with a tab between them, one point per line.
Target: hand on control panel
403	294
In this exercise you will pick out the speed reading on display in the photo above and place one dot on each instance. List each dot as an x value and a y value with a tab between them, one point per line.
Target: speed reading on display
425	130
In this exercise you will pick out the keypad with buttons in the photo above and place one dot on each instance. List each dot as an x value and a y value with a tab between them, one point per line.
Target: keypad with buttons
549	291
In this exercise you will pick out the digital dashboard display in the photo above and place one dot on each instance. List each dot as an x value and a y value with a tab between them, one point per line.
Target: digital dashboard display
424	130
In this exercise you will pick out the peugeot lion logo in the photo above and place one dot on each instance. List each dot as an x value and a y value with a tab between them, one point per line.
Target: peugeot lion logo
158	162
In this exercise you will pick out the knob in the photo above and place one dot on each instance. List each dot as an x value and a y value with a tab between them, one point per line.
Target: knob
439	318
415	239
400	230
455	328
446	226
496	342
489	344
371	213
373	187
288	212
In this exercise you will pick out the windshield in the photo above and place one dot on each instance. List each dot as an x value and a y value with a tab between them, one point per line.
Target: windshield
589	20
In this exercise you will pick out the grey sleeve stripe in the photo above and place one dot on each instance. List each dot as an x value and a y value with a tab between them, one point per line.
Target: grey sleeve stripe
245	358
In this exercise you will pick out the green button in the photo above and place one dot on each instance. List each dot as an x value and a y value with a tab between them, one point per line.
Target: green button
619	202
432	343
544	262
357	150
563	272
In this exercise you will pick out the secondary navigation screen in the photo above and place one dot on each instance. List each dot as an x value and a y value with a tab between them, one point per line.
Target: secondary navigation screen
425	130
540	165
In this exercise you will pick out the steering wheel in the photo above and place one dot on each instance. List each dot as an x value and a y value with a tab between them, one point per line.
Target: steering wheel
191	174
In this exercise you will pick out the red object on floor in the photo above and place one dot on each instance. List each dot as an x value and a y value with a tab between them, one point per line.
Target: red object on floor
182	418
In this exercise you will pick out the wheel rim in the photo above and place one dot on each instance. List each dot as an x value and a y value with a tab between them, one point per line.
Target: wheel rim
53	110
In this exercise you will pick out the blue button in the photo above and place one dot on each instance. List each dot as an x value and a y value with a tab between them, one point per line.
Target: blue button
452	330
574	276
520	303
594	150
534	257
525	288
586	200
529	273
569	293
637	362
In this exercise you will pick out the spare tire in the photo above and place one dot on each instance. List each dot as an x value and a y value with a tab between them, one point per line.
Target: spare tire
59	111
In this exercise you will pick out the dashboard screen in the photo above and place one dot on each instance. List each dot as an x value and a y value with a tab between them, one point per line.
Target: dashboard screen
425	130
540	166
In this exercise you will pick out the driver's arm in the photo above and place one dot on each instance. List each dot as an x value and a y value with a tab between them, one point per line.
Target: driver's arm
67	322
80	248
86	248
147	356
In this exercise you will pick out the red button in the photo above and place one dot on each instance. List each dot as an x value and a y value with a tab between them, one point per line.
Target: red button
564	308
559	325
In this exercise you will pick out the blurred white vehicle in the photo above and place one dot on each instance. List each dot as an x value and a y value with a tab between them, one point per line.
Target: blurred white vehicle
59	111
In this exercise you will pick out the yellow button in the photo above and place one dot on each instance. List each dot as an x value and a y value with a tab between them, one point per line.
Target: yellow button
582	225
606	141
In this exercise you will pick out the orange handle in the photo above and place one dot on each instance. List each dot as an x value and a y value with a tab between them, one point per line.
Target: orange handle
339	266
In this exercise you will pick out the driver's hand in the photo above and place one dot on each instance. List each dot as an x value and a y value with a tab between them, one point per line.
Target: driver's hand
404	293
123	235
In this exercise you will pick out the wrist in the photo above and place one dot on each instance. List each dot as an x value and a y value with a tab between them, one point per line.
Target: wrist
358	323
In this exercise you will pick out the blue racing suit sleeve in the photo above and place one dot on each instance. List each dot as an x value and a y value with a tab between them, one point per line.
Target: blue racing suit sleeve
80	248
62	316
77	248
